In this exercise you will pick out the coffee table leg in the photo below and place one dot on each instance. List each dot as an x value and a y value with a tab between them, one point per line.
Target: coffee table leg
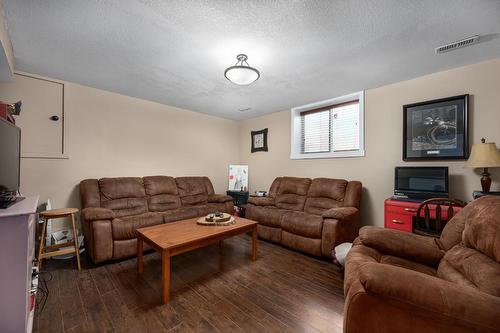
254	243
140	264
165	276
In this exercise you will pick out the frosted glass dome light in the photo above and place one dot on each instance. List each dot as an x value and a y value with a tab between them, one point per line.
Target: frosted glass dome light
242	73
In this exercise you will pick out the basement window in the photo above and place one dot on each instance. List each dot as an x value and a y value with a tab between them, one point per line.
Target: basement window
328	129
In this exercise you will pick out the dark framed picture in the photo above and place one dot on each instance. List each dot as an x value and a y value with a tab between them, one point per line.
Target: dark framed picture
436	130
259	140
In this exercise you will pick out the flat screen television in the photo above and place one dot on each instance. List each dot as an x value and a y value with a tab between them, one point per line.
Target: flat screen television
10	156
421	182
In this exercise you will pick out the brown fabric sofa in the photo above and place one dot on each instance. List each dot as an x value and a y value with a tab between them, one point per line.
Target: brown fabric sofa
402	282
113	208
312	216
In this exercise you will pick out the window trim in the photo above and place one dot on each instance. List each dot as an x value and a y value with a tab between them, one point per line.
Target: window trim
296	137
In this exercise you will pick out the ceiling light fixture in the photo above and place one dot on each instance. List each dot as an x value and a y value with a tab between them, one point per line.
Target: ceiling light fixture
242	73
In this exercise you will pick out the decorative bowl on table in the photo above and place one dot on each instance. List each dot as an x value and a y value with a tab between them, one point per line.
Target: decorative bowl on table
217	218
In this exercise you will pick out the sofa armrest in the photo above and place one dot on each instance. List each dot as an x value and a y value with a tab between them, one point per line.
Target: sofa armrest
219	198
261	201
96	213
340	213
425	293
340	225
422	249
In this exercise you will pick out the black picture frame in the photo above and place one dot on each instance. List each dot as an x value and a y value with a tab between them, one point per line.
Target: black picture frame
436	130
255	135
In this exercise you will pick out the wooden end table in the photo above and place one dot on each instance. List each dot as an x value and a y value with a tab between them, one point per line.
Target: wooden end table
182	236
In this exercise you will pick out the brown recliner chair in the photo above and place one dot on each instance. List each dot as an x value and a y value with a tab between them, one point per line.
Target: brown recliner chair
308	215
403	282
113	208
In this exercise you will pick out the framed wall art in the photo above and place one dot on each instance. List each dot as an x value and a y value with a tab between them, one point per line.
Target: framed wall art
436	130
238	177
259	140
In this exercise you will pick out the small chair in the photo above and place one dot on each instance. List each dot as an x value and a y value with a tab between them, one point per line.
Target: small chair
54	214
433	224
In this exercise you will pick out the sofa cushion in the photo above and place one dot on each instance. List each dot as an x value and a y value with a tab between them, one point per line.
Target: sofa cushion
225	207
261	201
408	264
155	185
271	234
124	227
193	190
269	216
301	243
325	193
124	195
482	227
294	185
182	213
320	205
121	187
126	206
163	202
328	188
302	224
219	198
273	190
89	193
292	193
361	254
466	266
162	193
291	202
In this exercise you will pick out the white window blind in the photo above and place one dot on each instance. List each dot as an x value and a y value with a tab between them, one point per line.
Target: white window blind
316	132
345	126
331	129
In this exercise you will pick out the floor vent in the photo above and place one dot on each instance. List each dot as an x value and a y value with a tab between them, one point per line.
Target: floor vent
457	44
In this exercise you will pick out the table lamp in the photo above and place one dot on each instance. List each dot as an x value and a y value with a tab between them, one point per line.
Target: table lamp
484	155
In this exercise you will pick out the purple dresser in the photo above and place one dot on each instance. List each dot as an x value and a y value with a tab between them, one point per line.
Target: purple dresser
17	251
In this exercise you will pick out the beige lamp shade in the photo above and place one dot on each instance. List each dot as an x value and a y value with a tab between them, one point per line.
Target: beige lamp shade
484	155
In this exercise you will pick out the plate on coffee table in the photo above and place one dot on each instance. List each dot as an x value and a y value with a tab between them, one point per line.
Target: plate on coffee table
217	219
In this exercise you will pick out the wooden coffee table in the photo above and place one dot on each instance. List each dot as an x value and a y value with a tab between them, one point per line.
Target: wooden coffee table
174	238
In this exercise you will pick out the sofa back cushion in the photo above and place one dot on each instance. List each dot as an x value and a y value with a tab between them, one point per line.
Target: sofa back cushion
292	193
162	193
194	190
124	195
325	193
273	190
469	267
482	227
89	193
453	229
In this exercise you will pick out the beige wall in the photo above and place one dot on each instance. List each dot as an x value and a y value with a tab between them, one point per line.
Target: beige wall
6	54
111	135
383	129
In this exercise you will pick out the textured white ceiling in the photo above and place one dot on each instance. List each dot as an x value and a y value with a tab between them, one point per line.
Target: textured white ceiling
175	52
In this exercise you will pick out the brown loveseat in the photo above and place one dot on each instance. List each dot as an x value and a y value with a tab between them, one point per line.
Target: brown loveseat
402	282
312	216
113	208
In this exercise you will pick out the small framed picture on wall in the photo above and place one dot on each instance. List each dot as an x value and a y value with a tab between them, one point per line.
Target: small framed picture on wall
259	140
436	130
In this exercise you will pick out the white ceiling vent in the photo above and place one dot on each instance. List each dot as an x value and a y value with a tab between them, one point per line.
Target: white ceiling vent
457	44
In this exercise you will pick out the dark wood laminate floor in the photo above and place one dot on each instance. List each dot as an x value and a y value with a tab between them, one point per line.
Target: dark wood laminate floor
213	290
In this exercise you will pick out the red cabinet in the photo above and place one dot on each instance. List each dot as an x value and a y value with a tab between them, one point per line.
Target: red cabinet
399	215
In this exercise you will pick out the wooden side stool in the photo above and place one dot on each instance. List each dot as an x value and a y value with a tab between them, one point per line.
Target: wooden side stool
54	214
